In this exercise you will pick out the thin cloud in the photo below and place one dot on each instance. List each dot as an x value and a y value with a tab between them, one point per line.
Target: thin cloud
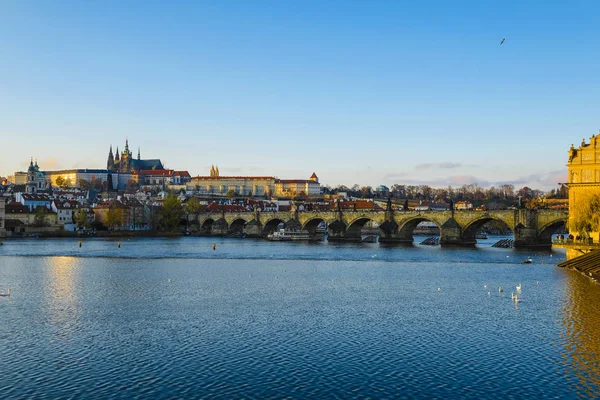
442	165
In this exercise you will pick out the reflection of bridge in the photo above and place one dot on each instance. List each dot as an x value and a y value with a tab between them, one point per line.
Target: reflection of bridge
531	228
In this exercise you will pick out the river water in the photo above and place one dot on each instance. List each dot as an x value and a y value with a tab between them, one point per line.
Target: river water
173	318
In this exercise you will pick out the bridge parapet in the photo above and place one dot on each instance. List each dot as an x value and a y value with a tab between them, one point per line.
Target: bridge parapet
531	228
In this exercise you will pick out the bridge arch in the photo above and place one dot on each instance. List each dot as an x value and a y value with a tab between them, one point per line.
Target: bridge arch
470	231
354	228
312	224
237	226
206	226
406	228
271	225
546	231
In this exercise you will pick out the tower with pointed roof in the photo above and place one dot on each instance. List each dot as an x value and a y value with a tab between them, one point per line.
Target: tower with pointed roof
124	161
36	180
110	163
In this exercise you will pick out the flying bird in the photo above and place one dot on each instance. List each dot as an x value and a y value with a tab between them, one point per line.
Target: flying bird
502	41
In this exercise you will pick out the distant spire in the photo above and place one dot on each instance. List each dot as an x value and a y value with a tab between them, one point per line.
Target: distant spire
138	152
126	145
117	154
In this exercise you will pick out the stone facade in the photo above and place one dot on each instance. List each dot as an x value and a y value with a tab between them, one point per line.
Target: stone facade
214	184
2	217
584	177
531	228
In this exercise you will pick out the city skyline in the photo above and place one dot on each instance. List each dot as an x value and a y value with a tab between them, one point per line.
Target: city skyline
373	94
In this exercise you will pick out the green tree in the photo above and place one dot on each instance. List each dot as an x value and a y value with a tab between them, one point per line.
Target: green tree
83	184
60	181
230	194
584	215
113	217
81	218
193	206
171	213
39	217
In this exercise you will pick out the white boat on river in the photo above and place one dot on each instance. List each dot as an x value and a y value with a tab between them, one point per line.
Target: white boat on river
288	235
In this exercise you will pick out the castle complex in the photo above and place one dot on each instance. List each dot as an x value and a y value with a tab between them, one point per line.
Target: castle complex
125	163
123	171
214	184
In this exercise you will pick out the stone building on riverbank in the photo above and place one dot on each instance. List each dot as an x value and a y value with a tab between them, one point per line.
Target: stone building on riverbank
583	182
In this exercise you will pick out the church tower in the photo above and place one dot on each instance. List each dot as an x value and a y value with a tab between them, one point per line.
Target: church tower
110	164
30	186
138	154
125	163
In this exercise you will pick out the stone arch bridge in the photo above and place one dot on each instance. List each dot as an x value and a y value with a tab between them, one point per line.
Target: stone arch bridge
531	228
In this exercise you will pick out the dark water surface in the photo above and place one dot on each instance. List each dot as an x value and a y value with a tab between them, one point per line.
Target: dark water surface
171	318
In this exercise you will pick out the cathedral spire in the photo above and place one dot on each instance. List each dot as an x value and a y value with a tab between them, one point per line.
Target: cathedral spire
126	145
110	163
138	153
117	154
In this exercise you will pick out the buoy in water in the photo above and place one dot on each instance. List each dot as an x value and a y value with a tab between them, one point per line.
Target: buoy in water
5	294
119	244
80	243
214	246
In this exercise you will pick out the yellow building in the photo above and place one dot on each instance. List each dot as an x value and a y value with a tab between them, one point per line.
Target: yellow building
583	181
215	184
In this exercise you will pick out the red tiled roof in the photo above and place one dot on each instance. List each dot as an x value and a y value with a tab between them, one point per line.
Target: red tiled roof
16	208
214	207
314	176
355	205
156	172
185	174
216	178
43	197
293	181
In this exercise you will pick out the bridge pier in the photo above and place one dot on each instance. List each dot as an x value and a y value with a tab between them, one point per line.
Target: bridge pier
219	227
395	239
529	238
532	228
253	229
451	234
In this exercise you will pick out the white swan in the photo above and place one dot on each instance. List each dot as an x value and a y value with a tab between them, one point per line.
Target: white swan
518	287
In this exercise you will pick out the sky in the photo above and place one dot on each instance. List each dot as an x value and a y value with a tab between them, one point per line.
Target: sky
360	92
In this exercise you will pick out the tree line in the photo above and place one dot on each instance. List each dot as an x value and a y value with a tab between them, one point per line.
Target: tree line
471	192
